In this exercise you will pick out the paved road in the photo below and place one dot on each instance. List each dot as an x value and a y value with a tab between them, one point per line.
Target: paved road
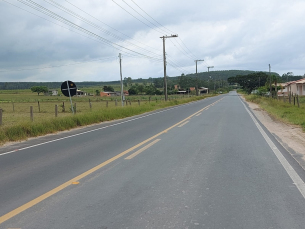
207	164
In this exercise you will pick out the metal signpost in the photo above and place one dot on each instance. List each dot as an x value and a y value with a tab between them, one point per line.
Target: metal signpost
68	88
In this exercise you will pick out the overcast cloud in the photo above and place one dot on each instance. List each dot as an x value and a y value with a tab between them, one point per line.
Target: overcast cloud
231	34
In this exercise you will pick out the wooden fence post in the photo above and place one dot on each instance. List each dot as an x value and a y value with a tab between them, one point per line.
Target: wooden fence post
38	107
116	102
126	102
90	105
74	108
31	113
56	110
149	99
298	101
139	102
294	100
63	107
0	117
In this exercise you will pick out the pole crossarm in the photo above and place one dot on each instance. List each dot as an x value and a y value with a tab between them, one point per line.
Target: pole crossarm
164	63
210	67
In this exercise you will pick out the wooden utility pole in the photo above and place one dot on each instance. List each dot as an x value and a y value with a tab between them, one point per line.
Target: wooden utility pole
197	90
164	63
122	92
270	95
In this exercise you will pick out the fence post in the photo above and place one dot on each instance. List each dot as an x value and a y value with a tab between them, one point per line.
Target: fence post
298	101
294	100
90	105
149	99
74	108
130	102
31	113
38	107
126	102
139	102
116	102
63	107
0	117
56	110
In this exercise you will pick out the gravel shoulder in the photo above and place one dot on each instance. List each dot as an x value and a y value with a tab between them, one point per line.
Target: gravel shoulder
290	136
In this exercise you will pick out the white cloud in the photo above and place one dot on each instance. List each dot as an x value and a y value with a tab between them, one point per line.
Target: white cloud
237	34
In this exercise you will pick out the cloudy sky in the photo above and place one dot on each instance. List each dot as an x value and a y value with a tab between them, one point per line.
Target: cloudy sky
52	40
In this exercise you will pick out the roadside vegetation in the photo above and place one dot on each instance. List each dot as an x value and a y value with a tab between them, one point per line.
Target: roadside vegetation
280	110
17	125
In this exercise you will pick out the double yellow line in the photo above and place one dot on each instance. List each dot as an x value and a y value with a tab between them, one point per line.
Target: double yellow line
75	180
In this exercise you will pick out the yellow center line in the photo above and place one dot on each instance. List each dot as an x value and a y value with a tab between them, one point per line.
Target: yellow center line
142	149
183	124
46	195
199	114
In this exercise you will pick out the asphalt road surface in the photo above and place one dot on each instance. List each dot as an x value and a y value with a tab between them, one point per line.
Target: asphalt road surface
207	164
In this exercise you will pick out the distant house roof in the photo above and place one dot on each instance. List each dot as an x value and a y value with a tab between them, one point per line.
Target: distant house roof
301	81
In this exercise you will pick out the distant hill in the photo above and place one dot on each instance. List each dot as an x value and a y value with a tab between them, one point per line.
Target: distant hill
222	75
216	75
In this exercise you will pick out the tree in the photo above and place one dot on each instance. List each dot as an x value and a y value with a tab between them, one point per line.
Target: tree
133	90
108	88
251	81
158	82
129	81
97	92
39	89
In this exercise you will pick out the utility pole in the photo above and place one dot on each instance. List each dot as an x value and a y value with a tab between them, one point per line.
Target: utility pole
270	95
164	63
210	67
122	92
197	78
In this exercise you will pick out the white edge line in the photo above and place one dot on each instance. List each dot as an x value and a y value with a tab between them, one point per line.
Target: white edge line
74	135
291	172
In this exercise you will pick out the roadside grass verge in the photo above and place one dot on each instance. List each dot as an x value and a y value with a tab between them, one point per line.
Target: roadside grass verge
26	129
280	110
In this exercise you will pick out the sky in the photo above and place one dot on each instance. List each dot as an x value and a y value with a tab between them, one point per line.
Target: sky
52	40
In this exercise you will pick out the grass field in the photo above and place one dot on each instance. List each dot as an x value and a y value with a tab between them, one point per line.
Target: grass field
17	124
283	111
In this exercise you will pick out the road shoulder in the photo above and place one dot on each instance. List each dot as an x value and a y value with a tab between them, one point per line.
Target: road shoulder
291	137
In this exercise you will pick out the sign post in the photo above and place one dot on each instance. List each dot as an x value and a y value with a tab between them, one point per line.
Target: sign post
68	88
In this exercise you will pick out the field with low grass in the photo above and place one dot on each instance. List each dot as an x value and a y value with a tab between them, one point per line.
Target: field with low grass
282	110
17	123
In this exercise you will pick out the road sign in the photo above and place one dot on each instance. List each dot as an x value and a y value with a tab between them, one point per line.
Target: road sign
68	88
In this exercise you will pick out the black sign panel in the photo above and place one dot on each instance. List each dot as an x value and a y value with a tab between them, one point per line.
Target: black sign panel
68	86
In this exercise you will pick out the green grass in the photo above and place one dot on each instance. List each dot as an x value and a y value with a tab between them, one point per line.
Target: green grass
281	110
20	127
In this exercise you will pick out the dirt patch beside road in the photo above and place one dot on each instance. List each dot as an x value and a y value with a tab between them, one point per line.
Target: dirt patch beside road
290	136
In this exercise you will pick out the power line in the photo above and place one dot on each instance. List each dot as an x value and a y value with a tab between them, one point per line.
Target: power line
152	17
70	12
75	26
108	25
191	55
143	16
135	16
